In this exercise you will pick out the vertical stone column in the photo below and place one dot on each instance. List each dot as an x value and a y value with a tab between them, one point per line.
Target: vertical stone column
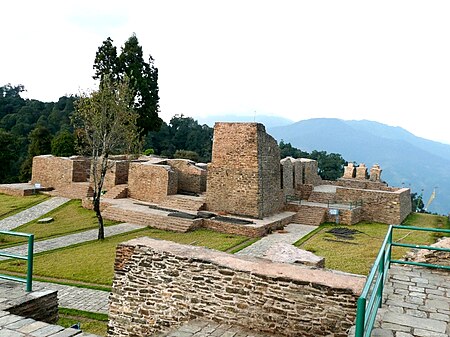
375	173
349	171
361	171
244	176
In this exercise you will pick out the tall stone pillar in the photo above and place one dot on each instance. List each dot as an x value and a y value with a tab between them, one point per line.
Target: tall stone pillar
244	176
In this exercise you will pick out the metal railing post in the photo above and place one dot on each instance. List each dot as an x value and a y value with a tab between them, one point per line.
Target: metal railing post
360	317
381	274
30	263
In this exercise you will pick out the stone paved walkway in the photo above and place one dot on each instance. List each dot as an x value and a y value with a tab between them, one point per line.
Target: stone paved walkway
31	213
416	303
199	328
72	239
290	234
79	298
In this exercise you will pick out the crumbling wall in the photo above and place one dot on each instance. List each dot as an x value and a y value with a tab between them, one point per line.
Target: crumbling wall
191	178
306	172
160	284
59	172
150	182
244	176
117	174
288	176
379	206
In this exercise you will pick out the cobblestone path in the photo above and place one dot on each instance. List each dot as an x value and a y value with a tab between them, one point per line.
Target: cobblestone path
31	213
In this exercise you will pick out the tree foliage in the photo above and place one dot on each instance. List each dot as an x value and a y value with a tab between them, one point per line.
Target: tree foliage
143	77
63	144
40	143
9	147
182	134
106	122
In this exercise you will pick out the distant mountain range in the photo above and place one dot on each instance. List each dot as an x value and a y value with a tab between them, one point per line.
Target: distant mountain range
406	160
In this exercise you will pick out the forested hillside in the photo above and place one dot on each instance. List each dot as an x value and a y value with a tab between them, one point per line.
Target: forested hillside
29	128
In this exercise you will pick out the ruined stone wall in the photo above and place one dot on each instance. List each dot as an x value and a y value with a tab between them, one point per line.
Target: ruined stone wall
152	183
364	184
191	178
288	176
346	216
117	174
379	206
160	284
244	175
306	172
59	172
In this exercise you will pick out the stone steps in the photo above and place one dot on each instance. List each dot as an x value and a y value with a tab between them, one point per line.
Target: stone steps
184	202
117	192
74	191
155	220
310	215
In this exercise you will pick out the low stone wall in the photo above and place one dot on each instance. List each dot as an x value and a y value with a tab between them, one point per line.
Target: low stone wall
117	174
40	304
379	206
150	182
160	284
364	184
347	217
191	178
252	231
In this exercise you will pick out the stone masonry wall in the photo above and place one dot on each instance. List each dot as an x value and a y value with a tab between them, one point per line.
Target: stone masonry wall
244	175
59	172
117	174
150	182
379	206
271	193
191	178
160	284
288	177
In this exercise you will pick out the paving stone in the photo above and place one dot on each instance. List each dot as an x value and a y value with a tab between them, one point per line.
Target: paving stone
403	334
46	331
69	332
382	333
10	333
32	327
415	322
427	333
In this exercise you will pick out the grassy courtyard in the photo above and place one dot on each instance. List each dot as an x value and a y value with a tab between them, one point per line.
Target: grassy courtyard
93	262
357	254
68	218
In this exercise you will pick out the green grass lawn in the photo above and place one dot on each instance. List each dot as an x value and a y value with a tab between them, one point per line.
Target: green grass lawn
93	262
10	205
357	255
68	218
89	322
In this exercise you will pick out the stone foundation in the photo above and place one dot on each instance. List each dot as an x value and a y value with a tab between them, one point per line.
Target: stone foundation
160	284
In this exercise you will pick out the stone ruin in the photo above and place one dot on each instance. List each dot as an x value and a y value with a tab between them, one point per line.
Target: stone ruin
245	178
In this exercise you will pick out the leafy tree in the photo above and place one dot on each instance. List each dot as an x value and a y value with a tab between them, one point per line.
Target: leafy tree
331	166
8	155
184	154
63	145
287	150
143	77
417	204
107	125
40	143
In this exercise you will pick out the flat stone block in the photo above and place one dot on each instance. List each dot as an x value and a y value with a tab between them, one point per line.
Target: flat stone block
427	333
415	322
45	220
382	333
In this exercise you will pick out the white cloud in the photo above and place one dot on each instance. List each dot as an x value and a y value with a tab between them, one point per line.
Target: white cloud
385	61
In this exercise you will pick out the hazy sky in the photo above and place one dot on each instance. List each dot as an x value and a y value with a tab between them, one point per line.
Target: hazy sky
387	61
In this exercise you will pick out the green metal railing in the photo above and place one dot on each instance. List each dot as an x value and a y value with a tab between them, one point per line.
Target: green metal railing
29	257
372	294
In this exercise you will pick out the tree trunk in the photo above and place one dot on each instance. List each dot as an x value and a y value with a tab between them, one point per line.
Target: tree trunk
101	228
